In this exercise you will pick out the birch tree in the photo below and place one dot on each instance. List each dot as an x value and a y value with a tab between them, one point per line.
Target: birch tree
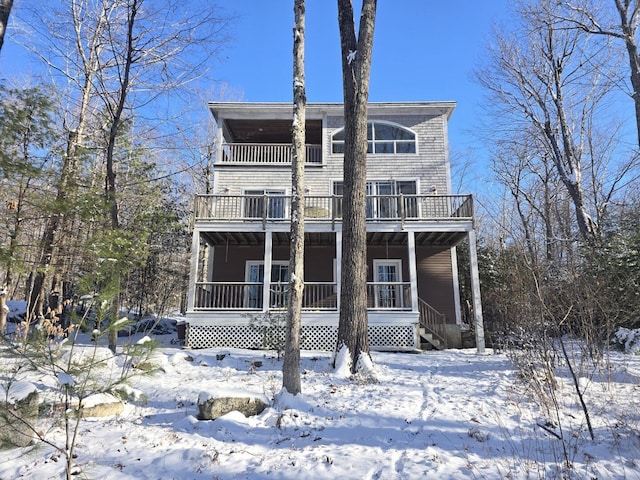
291	365
356	66
115	58
81	72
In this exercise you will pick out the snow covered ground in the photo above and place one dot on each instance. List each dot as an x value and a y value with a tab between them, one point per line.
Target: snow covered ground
451	414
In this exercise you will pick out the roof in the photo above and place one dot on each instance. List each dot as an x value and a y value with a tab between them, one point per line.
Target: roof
245	121
285	109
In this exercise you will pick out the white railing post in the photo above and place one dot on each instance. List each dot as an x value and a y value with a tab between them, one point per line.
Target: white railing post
266	285
338	267
413	271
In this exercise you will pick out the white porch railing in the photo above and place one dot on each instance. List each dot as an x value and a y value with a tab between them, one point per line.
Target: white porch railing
266	154
316	296
433	321
389	295
228	296
380	208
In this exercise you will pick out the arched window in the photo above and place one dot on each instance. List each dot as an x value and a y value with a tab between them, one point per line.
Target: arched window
383	138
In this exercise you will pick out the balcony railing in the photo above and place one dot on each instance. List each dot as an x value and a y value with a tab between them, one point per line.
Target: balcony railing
380	208
266	154
316	296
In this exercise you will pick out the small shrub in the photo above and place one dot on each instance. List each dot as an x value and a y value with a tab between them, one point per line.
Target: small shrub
627	340
272	328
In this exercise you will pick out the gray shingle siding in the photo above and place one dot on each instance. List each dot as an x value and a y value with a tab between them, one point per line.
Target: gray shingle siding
428	166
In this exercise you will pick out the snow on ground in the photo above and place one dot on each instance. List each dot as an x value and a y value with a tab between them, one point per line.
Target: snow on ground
451	414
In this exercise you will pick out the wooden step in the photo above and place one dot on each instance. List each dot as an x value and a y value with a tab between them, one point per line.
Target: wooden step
429	340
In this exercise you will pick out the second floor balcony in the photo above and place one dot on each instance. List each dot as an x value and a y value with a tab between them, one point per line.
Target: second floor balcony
267	208
273	154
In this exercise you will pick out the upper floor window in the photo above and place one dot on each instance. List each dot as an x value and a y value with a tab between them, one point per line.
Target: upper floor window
383	138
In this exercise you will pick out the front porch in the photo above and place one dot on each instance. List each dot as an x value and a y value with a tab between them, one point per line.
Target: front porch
241	276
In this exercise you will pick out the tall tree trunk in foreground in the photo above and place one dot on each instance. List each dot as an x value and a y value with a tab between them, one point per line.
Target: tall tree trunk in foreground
291	366
5	10
356	67
125	61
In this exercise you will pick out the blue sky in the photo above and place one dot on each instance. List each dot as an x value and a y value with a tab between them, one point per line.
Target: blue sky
423	50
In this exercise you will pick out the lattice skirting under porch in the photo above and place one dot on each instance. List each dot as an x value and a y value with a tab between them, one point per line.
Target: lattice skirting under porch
313	337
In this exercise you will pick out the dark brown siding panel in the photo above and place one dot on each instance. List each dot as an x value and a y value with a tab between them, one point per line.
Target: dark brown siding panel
392	252
435	279
318	263
229	264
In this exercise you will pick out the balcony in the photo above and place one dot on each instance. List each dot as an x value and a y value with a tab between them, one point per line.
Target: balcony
316	296
277	154
328	208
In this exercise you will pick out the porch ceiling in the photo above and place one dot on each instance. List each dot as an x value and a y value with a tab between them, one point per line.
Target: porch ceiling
271	131
257	238
328	238
448	239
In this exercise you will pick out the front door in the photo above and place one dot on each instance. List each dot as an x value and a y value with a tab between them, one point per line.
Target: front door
388	278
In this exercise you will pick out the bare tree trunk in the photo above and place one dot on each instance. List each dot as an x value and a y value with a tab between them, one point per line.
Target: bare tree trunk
55	229
356	67
116	112
584	16
291	365
4	311
628	11
5	10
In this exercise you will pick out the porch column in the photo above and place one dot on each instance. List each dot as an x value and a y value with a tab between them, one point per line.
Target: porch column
475	292
266	283
219	140
193	270
413	270
338	266
456	285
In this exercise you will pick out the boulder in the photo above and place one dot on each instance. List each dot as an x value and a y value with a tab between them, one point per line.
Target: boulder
101	405
211	406
18	415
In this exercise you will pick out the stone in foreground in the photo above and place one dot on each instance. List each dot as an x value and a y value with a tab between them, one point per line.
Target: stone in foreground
101	405
18	415
212	406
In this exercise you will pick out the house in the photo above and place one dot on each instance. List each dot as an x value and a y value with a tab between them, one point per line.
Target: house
239	267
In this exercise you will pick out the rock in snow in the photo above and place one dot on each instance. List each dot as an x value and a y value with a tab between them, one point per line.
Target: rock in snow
18	415
212	406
